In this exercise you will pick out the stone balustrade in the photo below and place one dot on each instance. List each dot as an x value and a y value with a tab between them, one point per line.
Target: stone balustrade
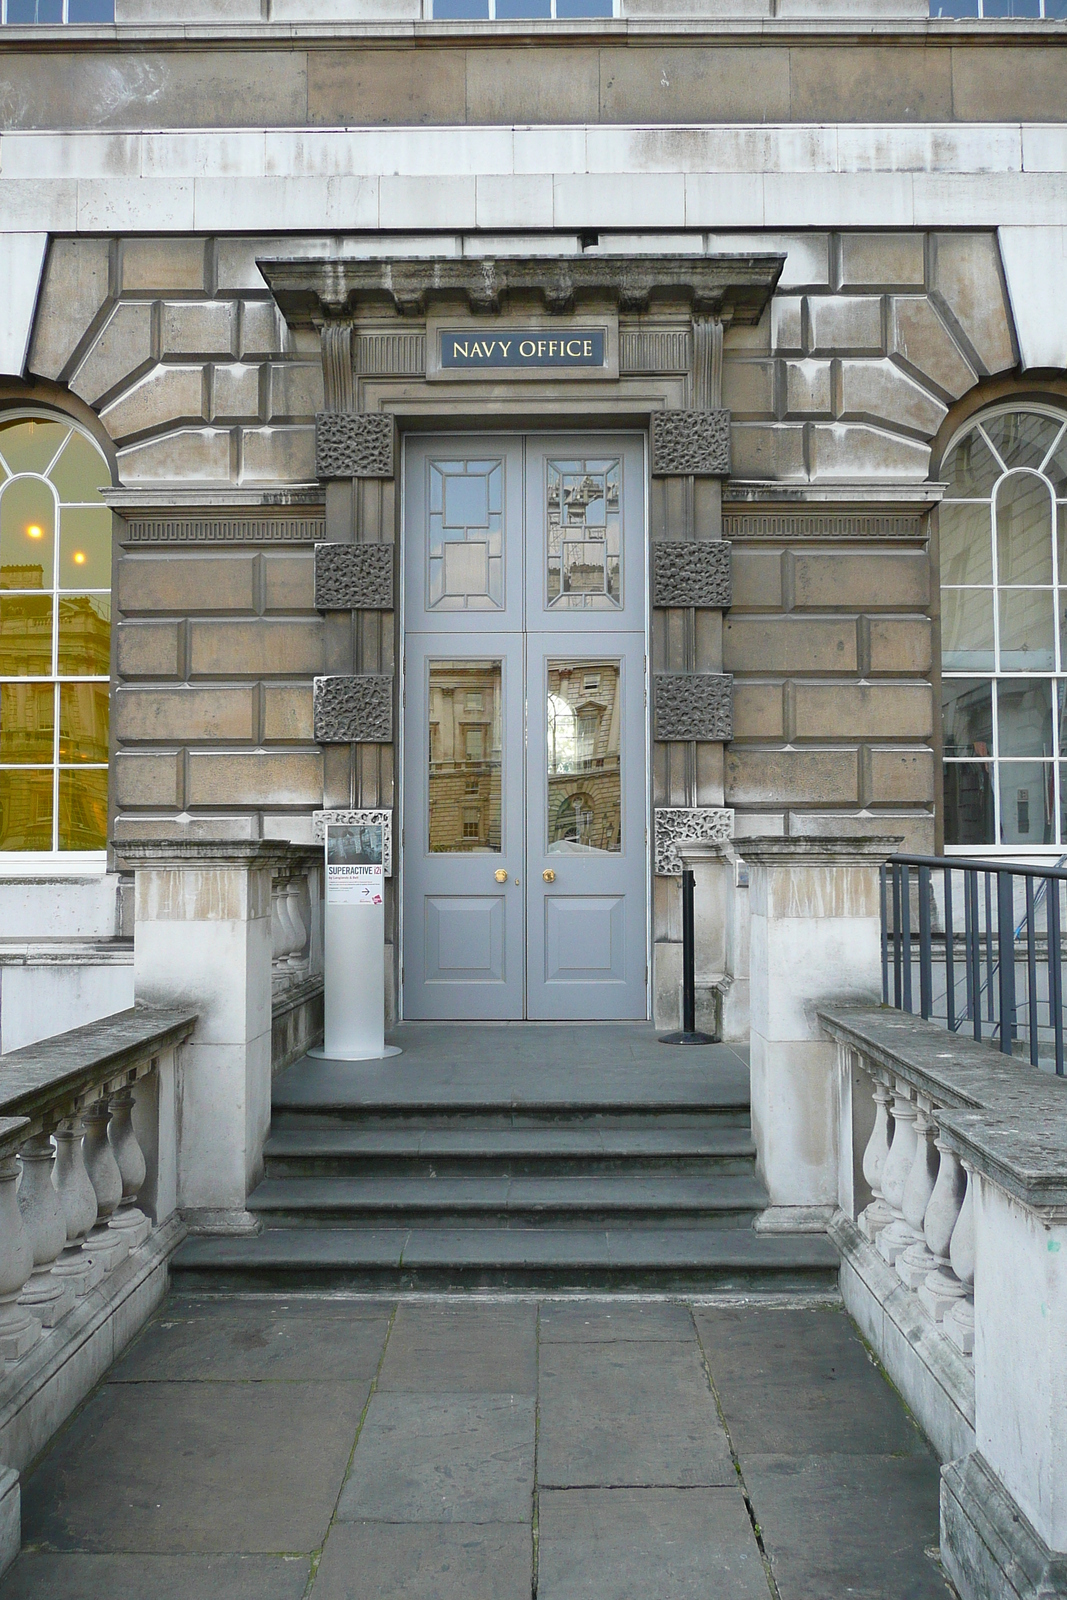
296	919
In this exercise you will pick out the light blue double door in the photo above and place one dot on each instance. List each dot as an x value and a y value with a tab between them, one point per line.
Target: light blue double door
524	781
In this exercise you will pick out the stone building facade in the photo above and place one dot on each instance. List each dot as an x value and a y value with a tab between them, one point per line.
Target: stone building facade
815	246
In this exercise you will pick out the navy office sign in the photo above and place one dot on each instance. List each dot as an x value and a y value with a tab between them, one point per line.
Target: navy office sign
522	348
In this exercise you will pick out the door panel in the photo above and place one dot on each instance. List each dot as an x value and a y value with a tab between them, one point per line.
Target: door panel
524	859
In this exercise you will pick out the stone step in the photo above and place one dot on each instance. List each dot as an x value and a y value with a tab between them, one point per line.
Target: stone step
494	1116
651	1200
355	1151
665	1260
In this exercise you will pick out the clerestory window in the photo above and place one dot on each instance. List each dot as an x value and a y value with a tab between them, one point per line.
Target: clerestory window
520	10
55	639
1003	533
54	13
1050	10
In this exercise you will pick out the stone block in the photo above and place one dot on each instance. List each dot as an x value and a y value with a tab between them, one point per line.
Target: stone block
262	327
791	777
899	776
693	705
565	89
845	324
287	713
149	649
758	711
296	390
687	572
756	578
853	451
159	265
860	581
695	84
901	644
764	450
165	395
695	442
351	445
255	649
76	285
711	824
199	327
882	260
289	582
862	83
387	88
354	577
356	709
148	778
1009	85
788	644
232	778
787	324
121	350
192	455
880	392
919	337
235	393
809	388
863	711
185	715
967	281
278	455
748	388
187	583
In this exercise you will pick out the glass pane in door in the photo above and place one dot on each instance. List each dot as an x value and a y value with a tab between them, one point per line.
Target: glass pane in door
465	740
584	553
583	715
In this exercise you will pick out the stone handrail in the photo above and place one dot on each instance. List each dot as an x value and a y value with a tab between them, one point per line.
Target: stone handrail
71	1164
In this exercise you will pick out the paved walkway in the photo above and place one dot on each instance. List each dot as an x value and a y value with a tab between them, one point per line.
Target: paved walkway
272	1448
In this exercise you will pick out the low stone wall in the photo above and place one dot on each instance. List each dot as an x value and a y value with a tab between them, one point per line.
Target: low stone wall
296	1023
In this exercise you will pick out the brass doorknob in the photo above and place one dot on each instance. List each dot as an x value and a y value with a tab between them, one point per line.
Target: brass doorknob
548	875
500	875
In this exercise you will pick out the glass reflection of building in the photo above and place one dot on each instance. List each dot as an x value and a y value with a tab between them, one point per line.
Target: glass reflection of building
465	756
584	781
55	637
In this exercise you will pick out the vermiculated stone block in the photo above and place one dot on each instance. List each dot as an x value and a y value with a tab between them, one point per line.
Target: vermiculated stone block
694	705
353	445
691	572
696	442
354	577
354	710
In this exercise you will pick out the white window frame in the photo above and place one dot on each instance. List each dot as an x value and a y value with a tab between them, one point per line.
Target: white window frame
428	14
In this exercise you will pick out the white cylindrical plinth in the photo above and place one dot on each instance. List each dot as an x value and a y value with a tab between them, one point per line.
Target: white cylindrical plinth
355	983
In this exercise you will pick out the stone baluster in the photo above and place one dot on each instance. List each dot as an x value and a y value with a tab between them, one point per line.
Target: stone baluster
941	1288
128	1221
18	1327
104	1175
914	1263
877	1215
45	1296
77	1265
283	933
295	902
958	1322
899	1162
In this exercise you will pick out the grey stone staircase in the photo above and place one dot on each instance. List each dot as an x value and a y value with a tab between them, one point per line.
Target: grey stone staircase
636	1174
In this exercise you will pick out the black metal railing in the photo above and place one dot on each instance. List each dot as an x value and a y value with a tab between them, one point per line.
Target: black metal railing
982	944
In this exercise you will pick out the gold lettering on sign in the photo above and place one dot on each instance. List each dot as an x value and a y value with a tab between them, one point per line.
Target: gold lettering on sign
527	348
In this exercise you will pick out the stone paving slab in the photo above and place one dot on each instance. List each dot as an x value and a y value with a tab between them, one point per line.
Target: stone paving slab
443	1458
233	1456
426	1561
621	1544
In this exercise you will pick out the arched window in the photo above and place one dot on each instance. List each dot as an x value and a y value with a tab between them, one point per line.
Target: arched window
55	638
1004	630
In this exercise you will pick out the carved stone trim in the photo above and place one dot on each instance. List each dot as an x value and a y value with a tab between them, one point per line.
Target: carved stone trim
222	530
653	350
707	363
354	577
694	705
696	442
672	824
399	355
338	378
821	525
691	572
354	710
354	445
371	819
308	291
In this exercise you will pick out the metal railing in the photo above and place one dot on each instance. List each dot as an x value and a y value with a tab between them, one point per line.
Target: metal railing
999	976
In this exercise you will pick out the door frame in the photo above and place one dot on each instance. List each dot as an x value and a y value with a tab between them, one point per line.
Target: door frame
475	424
